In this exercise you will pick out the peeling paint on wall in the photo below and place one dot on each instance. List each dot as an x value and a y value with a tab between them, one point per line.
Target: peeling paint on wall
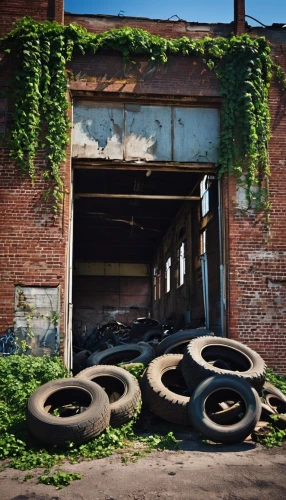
149	133
36	318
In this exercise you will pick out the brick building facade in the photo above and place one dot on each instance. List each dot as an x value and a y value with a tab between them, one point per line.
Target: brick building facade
246	259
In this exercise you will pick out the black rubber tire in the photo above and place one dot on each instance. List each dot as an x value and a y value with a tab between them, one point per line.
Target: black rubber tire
79	428
232	433
102	343
196	364
162	401
268	388
80	361
113	378
177	343
131	353
153	334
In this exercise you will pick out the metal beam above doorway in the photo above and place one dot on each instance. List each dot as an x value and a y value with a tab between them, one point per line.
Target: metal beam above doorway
203	168
137	196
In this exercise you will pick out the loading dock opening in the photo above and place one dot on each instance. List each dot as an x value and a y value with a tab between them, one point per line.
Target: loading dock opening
122	246
146	214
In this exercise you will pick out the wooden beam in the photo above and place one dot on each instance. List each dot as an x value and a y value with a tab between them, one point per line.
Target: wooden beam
145	166
136	196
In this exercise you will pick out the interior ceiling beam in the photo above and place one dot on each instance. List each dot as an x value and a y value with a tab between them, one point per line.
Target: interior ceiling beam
104	215
137	196
204	168
132	245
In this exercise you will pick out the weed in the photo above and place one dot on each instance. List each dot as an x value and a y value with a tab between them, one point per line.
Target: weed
278	380
273	438
59	479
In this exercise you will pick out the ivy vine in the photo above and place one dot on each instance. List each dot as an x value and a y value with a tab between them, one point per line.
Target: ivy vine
242	64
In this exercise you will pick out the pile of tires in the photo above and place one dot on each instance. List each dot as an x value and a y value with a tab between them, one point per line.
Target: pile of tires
213	384
78	409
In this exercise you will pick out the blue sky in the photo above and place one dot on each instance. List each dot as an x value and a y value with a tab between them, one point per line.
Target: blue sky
266	11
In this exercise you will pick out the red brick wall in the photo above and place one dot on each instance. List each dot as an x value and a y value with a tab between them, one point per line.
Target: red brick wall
257	255
33	242
167	29
181	76
33	245
239	16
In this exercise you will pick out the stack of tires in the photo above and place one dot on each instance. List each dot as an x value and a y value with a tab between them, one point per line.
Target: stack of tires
214	386
79	409
192	379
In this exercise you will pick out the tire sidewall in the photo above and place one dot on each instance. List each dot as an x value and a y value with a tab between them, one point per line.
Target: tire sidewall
217	432
39	397
130	384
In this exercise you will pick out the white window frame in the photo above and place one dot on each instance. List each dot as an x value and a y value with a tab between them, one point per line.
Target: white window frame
181	264
205	199
168	275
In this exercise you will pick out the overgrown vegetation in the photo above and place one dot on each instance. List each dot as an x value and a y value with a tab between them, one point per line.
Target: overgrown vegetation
242	64
20	376
278	380
274	436
136	369
59	479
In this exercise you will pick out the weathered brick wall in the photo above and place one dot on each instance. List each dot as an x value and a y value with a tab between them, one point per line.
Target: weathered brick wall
33	245
11	11
167	29
107	73
257	253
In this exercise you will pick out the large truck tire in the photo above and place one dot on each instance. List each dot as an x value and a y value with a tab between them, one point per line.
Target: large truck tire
209	356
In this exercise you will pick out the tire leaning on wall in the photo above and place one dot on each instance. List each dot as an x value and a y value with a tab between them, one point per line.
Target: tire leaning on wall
121	387
204	353
63	393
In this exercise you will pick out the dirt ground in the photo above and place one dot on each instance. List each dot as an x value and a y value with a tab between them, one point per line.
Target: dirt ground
198	471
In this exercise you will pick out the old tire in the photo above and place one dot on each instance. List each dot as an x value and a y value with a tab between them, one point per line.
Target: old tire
131	353
268	388
122	390
152	335
203	351
278	405
224	387
177	343
165	403
80	361
79	428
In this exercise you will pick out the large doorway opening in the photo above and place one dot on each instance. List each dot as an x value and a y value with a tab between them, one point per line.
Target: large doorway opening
146	213
153	252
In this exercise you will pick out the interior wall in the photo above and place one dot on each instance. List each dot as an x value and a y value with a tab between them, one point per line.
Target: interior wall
187	299
99	299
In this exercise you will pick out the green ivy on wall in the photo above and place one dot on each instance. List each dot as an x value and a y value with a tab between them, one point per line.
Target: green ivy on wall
242	64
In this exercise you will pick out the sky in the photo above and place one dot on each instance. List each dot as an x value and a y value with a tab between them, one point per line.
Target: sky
265	11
